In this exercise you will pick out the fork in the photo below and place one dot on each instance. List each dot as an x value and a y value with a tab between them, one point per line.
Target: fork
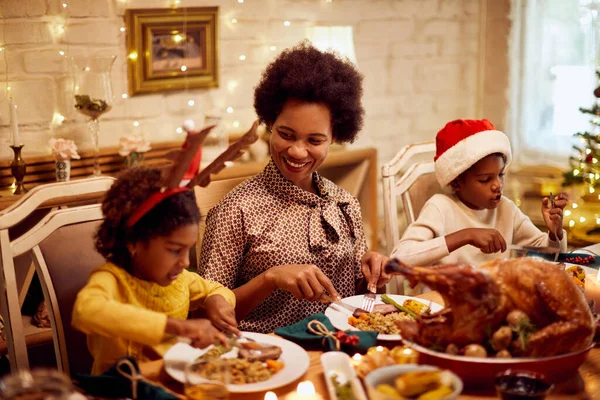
369	301
552	198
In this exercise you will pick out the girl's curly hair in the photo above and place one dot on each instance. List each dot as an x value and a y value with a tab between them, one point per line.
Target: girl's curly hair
124	196
305	73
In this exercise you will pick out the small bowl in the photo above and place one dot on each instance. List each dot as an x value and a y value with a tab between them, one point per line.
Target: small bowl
387	375
522	385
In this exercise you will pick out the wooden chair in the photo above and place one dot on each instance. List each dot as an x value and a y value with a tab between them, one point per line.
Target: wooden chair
33	241
207	198
414	185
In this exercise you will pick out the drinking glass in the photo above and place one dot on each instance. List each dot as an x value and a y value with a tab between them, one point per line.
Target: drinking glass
40	384
93	93
206	380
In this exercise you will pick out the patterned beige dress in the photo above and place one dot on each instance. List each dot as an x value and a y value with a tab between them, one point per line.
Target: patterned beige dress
268	221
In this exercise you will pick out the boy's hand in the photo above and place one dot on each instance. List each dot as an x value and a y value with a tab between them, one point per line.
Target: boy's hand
487	240
221	313
553	216
201	332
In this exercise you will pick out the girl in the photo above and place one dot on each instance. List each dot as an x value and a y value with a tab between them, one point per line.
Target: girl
137	303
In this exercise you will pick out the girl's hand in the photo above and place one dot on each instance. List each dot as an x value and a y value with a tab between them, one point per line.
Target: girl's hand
553	216
373	269
201	332
304	281
221	313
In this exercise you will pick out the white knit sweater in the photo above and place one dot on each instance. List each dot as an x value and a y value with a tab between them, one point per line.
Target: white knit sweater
424	243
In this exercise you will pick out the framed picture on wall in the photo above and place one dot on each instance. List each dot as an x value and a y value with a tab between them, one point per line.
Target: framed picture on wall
172	49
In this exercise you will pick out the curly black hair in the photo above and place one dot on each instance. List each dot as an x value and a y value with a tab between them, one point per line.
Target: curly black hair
305	73
133	187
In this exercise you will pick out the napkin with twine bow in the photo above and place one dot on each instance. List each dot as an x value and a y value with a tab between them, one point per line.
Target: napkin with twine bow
318	332
122	380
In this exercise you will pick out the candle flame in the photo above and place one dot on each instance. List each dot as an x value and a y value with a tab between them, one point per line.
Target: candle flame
306	388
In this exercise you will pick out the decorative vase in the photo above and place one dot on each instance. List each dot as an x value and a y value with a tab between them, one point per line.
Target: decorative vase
63	170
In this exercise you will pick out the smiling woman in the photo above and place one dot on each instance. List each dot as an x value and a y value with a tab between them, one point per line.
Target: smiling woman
288	236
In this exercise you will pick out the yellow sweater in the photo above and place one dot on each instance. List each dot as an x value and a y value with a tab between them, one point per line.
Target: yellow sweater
123	315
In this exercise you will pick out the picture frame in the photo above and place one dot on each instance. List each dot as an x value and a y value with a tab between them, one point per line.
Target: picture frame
172	49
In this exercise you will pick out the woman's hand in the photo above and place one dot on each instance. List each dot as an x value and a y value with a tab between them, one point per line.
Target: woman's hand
373	269
304	281
201	332
221	313
553	216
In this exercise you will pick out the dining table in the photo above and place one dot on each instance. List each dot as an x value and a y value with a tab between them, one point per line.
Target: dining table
585	384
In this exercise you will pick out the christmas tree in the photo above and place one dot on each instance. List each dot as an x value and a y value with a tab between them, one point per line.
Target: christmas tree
585	168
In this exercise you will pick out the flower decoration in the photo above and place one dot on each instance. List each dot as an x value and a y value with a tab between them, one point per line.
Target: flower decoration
63	149
133	144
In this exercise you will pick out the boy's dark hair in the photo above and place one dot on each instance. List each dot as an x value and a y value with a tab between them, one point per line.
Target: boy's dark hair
133	187
305	73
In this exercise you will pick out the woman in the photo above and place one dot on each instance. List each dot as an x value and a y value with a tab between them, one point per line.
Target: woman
286	237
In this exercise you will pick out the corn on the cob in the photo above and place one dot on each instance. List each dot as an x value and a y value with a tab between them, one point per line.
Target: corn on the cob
415	306
414	383
436	394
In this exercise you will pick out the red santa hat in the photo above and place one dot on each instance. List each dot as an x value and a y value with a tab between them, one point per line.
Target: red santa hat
463	142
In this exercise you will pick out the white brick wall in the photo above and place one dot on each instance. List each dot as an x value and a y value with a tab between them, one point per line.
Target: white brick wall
419	58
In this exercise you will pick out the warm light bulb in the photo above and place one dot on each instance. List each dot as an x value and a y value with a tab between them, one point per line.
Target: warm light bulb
574	205
231	85
234	21
575	172
242	57
273	48
64	5
567	213
191	103
122	29
62	53
179	130
236	124
57	118
183	68
588	151
124	95
287	23
133	55
581	219
571	223
136	123
230	110
597	221
379	348
592	190
1	48
8	88
240	1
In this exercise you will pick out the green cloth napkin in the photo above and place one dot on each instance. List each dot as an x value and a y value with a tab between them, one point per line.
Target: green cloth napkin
299	333
112	384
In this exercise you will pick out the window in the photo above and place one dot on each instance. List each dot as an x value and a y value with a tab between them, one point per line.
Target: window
553	53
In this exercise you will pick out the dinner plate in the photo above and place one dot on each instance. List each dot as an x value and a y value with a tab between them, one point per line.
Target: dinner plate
339	316
294	358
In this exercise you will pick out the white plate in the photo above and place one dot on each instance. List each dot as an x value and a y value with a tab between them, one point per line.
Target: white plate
339	317
294	358
336	362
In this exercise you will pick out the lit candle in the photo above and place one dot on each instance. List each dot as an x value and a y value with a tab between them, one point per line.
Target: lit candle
14	123
592	289
270	396
304	391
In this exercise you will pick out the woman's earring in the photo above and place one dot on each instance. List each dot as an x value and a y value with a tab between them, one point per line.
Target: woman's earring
132	254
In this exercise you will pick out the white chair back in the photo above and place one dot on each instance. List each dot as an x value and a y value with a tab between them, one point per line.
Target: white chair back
414	185
50	194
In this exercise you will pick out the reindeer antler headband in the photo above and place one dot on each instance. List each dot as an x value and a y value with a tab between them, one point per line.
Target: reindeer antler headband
171	183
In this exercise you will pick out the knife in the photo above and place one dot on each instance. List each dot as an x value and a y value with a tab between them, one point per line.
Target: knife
348	307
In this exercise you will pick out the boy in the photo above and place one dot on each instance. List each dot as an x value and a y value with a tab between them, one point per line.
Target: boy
474	223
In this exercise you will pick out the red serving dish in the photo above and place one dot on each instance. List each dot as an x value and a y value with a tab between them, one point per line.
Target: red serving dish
481	372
